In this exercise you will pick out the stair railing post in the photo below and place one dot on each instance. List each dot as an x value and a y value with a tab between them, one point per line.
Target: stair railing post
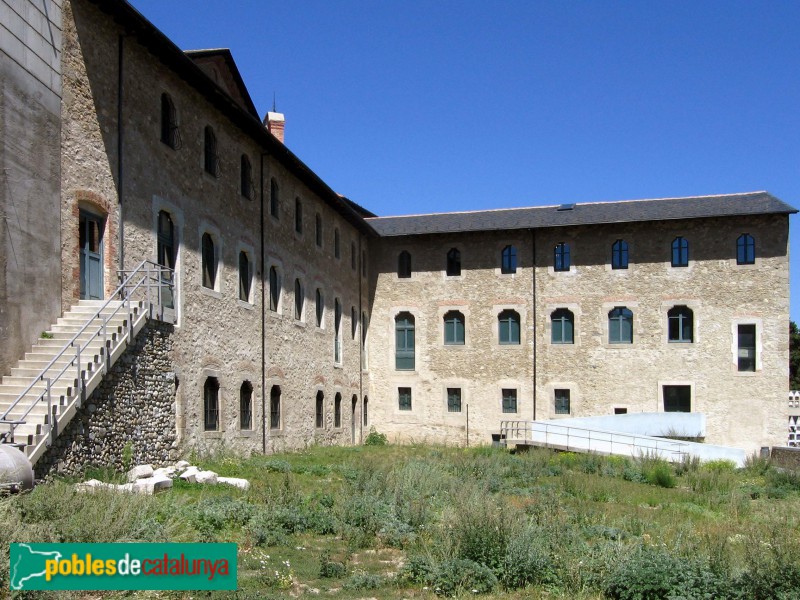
81	386
49	410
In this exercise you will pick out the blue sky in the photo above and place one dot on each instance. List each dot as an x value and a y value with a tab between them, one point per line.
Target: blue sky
412	106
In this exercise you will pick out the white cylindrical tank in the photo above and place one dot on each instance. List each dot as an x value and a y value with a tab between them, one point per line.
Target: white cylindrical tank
16	471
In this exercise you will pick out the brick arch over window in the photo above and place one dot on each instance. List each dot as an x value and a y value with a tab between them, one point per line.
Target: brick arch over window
70	251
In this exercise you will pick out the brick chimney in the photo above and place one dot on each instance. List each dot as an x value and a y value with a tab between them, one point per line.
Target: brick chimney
275	122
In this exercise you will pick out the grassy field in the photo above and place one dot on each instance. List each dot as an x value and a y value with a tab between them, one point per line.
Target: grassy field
425	522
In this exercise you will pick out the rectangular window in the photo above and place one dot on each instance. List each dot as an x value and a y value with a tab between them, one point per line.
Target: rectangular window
454	400
747	348
404	398
562	402
509	401
246	406
677	398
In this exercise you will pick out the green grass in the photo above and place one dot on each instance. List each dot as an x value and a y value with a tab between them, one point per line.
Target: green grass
413	521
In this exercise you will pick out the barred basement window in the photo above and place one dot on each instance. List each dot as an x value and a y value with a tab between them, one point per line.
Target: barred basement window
508	260
404	398
562	404
319	416
211	404
337	410
275	407
246	406
509	400
454	400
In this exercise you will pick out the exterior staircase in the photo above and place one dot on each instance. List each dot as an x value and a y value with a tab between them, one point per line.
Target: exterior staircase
47	387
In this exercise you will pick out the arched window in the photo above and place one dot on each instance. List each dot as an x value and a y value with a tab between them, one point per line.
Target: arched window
620	326
245	276
337	331
246	406
680	321
337	410
318	230
453	262
508	262
320	307
299	300
298	216
274	198
454	328
404	345
209	259
246	178
404	265
508	327
619	255
680	252
210	156
275	407
211	404
363	340
745	250
353	322
169	122
319	411
562	323
274	289
166	240
337	249
561	258
365	420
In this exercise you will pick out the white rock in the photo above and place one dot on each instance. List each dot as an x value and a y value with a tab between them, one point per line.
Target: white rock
151	485
206	477
190	474
89	486
140	471
235	481
182	464
166	472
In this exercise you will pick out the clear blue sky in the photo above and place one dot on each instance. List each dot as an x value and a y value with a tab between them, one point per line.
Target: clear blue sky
413	106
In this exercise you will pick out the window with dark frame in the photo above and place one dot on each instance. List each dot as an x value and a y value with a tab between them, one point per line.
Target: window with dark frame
453	262
337	331
745	250
245	276
320	307
404	344
454	328
298	216
274	289
508	262
509	400
619	255
337	410
246	406
562	405
680	324
404	398
169	122
319	415
562	326
404	265
353	322
677	398
620	326
454	400
209	259
166	256
746	347
561	257
275	407
508	327
299	300
210	156
680	252
363	340
274	199
246	184
211	404
365	420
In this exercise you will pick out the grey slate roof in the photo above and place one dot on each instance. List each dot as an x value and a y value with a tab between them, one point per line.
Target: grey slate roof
590	213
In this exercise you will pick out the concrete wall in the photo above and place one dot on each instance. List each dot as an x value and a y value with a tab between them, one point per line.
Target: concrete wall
30	96
216	334
742	409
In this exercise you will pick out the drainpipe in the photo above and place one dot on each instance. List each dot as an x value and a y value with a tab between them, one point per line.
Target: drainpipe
360	402
533	290
263	317
121	224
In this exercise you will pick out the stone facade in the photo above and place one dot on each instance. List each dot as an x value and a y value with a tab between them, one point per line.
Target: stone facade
131	411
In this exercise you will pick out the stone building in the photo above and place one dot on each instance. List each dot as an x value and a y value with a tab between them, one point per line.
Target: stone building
285	334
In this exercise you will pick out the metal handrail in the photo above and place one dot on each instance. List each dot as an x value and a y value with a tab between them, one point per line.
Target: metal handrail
512	430
151	277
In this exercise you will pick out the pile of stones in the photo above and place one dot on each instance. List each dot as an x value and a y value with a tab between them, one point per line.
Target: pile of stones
144	479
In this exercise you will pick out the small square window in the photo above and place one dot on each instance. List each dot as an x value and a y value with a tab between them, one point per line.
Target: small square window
562	404
404	398
454	400
509	401
677	398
